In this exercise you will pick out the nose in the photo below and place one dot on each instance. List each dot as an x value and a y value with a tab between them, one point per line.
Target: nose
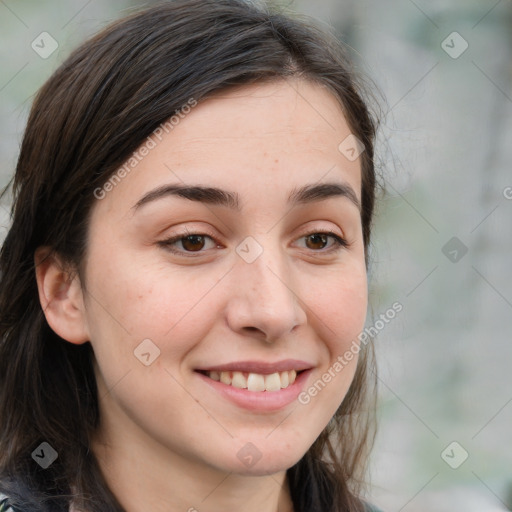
264	302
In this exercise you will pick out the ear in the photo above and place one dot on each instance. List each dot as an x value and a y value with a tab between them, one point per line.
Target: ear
61	297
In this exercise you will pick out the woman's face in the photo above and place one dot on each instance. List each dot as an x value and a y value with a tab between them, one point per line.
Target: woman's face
220	252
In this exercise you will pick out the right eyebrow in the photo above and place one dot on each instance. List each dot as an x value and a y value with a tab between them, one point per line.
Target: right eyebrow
210	195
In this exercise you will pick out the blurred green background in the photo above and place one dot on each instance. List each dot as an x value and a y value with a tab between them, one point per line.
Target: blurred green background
443	240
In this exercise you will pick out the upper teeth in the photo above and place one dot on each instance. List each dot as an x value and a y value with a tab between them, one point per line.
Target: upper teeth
255	381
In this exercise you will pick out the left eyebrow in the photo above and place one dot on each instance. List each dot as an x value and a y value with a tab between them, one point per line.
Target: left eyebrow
312	193
217	196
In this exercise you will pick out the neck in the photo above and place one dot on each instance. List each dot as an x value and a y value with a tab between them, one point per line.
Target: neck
145	476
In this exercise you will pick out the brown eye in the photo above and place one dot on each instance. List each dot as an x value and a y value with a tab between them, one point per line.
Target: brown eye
323	242
193	242
316	241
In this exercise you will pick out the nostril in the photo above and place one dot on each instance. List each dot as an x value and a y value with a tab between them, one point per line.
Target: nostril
255	330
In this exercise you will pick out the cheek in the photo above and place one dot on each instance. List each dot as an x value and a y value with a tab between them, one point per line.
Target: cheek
339	306
131	299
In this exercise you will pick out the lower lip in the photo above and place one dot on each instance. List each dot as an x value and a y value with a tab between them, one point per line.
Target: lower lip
260	400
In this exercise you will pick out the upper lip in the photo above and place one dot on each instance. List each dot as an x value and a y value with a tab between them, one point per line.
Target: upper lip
262	367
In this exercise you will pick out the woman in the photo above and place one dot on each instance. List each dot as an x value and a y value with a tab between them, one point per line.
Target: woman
185	276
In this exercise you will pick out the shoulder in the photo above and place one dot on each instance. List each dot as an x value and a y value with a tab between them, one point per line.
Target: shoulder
11	502
4	504
368	508
17	496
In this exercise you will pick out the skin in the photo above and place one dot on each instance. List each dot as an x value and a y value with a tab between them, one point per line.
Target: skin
167	440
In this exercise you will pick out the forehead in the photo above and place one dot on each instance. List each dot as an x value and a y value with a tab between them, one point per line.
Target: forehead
277	116
259	139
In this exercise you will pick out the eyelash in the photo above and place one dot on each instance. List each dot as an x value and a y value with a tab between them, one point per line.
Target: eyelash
339	243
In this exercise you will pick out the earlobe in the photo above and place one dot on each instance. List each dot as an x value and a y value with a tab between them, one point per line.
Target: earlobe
61	298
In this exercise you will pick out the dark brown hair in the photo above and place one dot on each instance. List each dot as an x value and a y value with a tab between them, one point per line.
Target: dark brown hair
86	121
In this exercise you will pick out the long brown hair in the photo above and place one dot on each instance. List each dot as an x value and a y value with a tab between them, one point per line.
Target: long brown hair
86	121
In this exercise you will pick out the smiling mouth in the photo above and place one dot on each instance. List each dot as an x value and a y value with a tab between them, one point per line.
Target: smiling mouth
254	381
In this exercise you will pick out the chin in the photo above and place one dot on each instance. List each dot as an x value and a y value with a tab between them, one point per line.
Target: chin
267	462
264	469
